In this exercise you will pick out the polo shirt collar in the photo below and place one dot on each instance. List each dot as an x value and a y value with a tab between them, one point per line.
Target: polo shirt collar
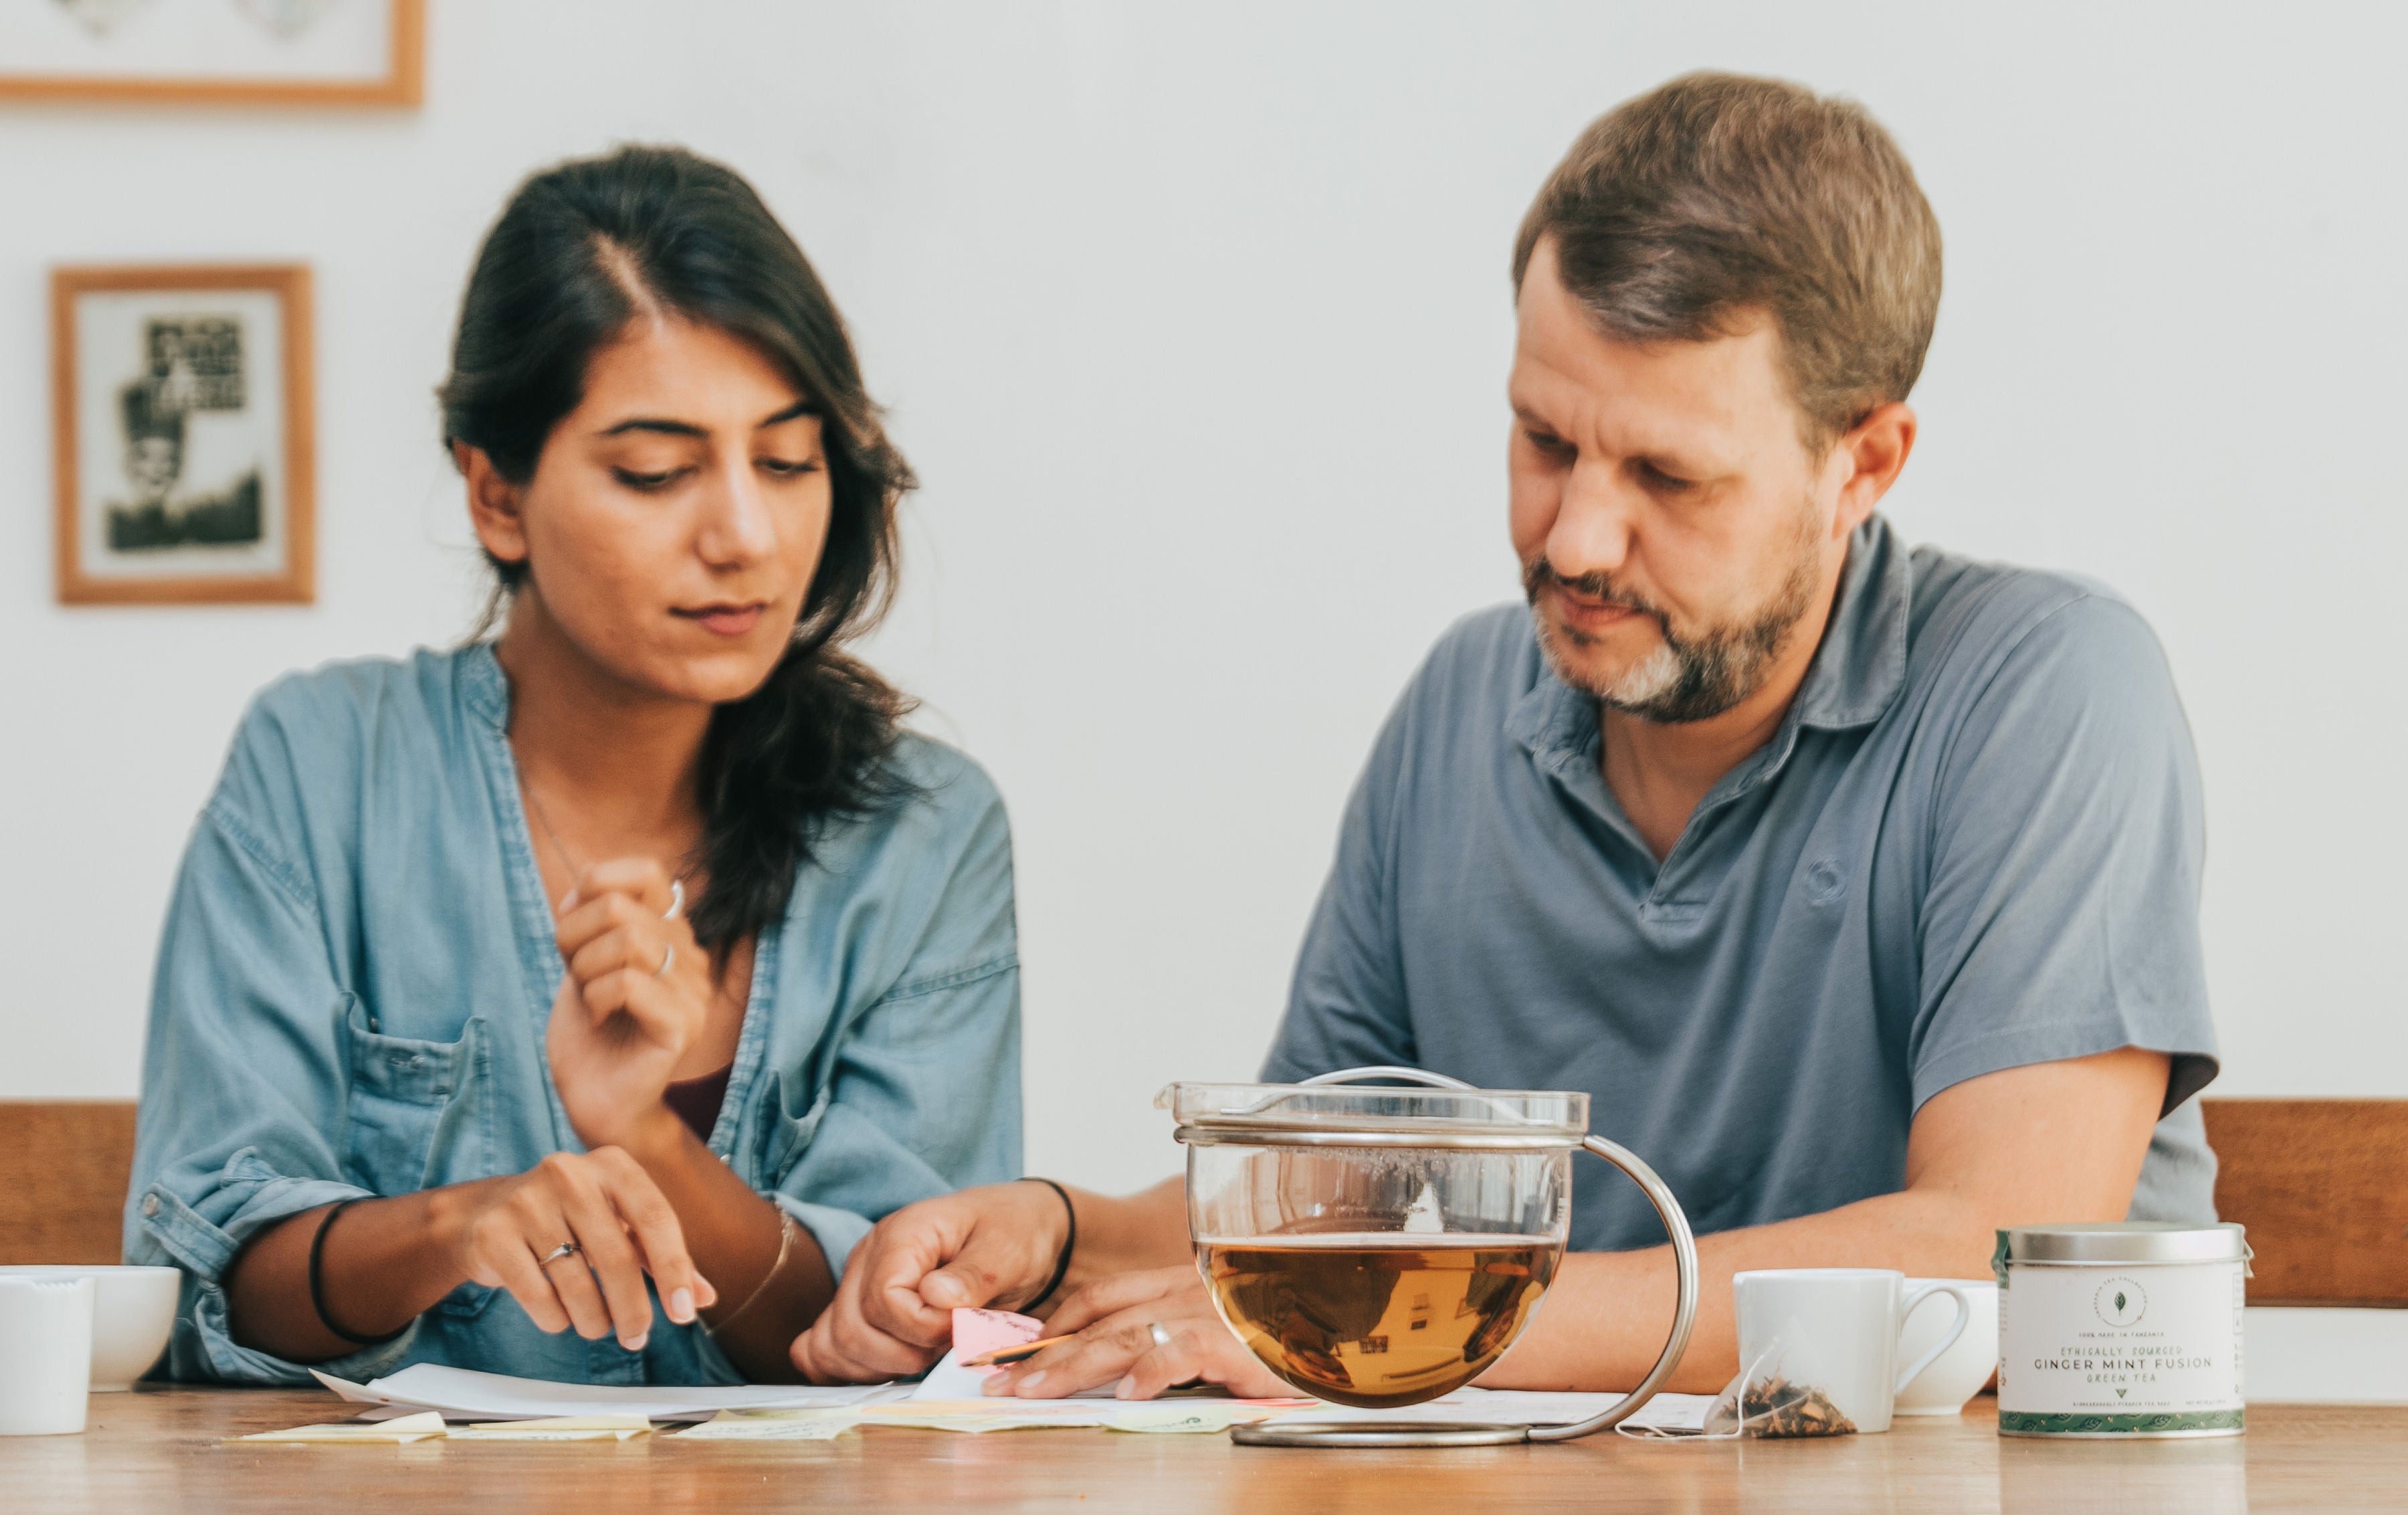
1861	664
1855	677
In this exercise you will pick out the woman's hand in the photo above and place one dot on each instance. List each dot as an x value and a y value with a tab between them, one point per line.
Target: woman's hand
502	1230
1114	1319
894	1311
636	993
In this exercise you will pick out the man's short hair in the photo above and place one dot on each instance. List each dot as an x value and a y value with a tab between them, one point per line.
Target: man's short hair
1681	211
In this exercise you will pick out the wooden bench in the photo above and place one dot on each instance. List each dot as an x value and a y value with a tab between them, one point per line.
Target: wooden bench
2322	1184
69	1162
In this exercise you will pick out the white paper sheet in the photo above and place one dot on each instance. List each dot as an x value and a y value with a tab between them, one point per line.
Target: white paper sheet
462	1394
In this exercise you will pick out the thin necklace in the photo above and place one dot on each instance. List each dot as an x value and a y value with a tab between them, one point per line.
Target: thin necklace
576	865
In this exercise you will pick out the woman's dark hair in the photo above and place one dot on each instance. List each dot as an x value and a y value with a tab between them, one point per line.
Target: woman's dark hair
579	251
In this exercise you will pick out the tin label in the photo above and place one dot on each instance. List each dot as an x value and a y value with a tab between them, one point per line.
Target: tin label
2136	1349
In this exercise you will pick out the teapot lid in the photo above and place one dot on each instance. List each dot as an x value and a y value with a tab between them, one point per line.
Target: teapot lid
1427	1111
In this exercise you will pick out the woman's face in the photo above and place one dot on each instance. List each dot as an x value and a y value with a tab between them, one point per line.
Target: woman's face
675	517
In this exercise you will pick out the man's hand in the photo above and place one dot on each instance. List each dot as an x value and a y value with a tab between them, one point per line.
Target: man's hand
894	1310
1114	1343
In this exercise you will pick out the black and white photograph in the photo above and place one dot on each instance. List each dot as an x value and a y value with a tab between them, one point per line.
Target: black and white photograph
183	435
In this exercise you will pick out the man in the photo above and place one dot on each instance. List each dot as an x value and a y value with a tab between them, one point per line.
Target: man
1858	885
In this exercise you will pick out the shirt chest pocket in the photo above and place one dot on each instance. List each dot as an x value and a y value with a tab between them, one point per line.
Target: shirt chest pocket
417	1109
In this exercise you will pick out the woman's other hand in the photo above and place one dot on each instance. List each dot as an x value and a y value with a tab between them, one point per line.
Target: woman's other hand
894	1311
1114	1343
502	1230
636	993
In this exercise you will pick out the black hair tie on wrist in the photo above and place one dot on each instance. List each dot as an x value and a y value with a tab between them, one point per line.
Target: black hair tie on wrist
317	1282
1069	1244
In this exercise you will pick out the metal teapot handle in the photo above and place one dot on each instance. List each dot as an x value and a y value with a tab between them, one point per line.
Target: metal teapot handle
1667	1209
1684	1310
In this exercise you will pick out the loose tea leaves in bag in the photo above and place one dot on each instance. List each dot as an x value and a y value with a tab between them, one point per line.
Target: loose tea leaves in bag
1775	1407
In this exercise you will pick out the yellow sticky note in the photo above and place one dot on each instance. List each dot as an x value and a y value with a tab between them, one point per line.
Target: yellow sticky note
558	1428
407	1428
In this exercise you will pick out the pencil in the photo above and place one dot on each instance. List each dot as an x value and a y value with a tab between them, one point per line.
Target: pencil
1006	1356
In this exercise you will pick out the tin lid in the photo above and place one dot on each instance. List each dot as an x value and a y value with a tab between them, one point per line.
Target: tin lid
2124	1241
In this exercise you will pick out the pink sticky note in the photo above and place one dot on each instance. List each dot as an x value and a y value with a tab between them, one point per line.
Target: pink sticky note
980	1330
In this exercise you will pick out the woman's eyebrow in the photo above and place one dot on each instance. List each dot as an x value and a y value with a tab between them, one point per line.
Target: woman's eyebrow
654	423
795	411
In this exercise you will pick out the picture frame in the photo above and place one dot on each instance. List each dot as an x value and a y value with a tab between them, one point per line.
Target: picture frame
184	440
260	52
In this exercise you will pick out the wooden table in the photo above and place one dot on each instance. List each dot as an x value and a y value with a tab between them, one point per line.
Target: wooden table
162	1451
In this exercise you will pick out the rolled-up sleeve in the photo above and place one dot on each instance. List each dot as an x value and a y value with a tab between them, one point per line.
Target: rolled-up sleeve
241	1085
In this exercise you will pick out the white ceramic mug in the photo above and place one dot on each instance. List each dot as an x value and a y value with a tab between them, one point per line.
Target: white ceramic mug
1834	1331
45	1354
1958	1374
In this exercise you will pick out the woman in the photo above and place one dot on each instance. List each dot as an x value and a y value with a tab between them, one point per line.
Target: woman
627	966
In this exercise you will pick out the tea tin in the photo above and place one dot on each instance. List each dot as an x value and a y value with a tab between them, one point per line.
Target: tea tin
2123	1329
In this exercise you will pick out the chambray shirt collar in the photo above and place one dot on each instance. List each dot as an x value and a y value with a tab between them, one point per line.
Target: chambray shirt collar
1855	677
484	688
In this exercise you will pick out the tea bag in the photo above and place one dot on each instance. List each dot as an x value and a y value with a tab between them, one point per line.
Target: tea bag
1761	1401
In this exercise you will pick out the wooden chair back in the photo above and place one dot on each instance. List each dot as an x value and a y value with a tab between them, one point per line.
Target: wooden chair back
2322	1184
67	1164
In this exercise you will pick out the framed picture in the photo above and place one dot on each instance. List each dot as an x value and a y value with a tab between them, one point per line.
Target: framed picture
183	439
328	52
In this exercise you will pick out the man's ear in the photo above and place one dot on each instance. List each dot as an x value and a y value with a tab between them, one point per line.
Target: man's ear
1873	453
493	505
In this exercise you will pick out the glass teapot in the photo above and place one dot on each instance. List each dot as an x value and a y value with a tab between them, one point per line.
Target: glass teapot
1378	1246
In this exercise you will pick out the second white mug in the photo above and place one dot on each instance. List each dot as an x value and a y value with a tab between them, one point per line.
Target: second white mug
1832	1332
45	1354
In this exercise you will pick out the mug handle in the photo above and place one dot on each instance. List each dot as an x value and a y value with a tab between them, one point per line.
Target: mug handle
1964	1317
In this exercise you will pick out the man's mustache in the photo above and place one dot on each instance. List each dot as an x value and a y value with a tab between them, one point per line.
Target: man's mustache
1538	573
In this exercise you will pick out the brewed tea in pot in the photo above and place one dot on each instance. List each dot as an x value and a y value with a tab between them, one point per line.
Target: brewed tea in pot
1378	1246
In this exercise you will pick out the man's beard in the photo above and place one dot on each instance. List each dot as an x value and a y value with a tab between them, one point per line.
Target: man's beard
1693	675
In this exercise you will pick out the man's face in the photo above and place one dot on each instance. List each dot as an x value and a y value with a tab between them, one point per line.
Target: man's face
1671	527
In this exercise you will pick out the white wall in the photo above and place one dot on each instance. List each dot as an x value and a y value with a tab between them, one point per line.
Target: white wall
1196	321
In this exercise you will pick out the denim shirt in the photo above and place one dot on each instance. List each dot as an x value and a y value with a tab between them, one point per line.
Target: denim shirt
358	968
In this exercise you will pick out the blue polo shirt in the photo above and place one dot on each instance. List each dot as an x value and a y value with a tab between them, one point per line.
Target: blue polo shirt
1974	843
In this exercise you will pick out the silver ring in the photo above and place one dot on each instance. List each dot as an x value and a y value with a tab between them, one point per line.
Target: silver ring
669	955
677	900
1154	1329
566	1248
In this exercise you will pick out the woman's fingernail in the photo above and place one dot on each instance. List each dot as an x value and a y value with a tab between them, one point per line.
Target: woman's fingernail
681	1306
635	1344
997	1383
1024	1386
1125	1389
